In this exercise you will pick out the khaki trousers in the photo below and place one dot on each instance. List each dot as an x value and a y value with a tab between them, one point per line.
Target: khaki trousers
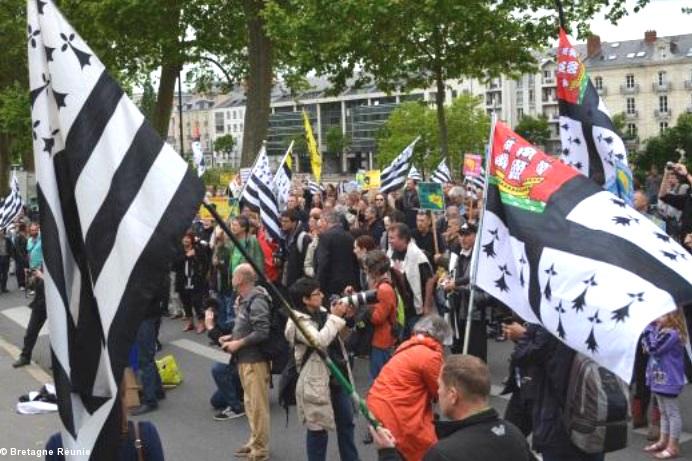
255	380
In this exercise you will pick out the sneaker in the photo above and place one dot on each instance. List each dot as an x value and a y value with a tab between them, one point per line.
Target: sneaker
21	362
228	413
22	288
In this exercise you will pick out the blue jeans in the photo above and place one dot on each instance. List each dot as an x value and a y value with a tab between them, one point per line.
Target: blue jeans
378	358
226	311
316	441
229	392
149	374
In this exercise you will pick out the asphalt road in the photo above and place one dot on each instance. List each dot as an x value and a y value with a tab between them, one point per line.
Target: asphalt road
185	419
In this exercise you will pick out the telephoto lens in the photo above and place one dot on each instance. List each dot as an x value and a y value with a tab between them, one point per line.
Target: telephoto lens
361	298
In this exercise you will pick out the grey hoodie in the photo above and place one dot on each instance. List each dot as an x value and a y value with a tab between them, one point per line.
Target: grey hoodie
252	323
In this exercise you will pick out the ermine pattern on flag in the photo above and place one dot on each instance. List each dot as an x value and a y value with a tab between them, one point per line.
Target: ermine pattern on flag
11	205
394	176
442	174
258	195
114	203
589	139
282	179
314	187
562	252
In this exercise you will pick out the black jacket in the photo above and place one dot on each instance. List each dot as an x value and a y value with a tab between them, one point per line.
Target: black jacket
337	267
296	247
480	437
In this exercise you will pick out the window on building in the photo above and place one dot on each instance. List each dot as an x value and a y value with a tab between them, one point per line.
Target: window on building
663	126
520	98
663	103
661	78
531	79
234	115
228	114
631	130
520	82
532	96
629	80
631	108
520	114
547	75
598	81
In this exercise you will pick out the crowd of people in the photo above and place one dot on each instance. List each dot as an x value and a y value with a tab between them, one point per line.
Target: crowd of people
373	275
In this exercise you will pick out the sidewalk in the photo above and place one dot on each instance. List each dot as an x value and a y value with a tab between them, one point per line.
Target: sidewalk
21	431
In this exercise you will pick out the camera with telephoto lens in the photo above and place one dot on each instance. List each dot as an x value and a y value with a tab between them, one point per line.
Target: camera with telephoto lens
361	298
670	166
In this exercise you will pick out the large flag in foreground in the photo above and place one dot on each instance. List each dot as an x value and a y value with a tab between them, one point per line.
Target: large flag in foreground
394	176
561	251
283	177
114	203
259	196
589	139
11	205
315	156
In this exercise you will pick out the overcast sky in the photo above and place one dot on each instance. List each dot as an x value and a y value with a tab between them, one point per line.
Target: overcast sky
663	16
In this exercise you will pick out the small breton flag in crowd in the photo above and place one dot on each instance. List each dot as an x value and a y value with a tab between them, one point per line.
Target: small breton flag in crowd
198	157
258	195
283	177
115	200
11	205
442	175
476	181
314	188
414	174
394	176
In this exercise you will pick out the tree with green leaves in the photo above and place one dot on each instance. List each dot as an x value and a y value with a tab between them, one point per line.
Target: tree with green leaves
405	44
224	144
665	147
469	129
536	130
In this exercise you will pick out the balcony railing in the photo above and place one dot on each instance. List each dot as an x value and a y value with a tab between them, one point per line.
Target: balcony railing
625	89
548	81
661	87
665	114
633	115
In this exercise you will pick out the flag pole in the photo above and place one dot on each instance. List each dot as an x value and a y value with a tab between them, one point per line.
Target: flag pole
477	244
276	294
560	13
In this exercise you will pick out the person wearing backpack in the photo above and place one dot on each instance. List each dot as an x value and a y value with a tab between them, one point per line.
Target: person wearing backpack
323	405
297	241
550	362
250	332
664	341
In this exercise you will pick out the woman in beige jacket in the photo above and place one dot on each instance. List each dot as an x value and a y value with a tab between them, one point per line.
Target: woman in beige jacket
322	404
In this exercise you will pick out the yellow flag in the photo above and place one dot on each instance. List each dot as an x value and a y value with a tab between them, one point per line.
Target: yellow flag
315	156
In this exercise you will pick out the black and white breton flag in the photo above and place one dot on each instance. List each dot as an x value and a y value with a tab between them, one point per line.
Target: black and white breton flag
283	177
314	188
394	176
442	175
11	205
562	252
414	174
114	202
259	196
477	182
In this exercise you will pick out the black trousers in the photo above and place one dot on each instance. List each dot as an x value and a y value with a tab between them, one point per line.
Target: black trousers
36	321
478	339
20	266
4	269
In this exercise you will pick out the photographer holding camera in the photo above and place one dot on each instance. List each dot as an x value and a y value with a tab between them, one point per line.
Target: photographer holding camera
322	403
37	319
682	202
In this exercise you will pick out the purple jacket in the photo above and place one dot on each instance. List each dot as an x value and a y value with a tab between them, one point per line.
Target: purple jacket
665	372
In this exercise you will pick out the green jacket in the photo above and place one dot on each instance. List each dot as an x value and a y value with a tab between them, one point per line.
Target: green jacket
252	247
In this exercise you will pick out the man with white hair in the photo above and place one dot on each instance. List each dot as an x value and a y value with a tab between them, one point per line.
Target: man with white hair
250	331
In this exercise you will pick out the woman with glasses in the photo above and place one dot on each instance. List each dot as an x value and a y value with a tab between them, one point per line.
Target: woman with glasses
323	405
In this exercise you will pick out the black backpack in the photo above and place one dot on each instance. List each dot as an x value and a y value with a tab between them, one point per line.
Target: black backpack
275	347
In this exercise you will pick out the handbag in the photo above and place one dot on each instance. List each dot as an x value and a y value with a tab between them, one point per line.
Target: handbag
359	342
169	371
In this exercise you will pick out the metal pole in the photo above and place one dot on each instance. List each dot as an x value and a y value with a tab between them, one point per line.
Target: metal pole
276	294
180	114
477	243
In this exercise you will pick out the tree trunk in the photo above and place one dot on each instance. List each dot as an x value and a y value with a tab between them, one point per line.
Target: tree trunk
164	98
440	106
259	83
4	163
